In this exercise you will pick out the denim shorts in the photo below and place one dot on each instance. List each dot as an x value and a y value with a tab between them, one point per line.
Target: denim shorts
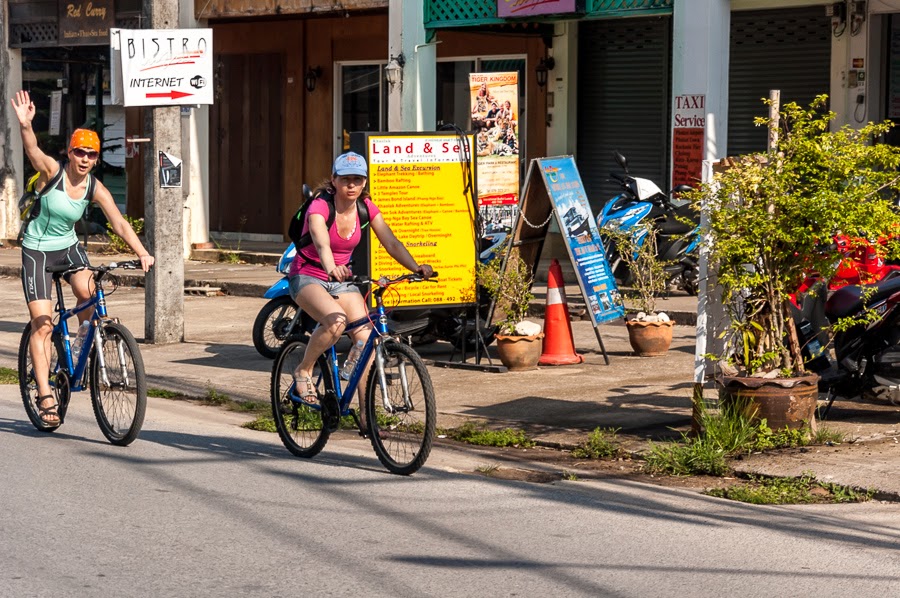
334	288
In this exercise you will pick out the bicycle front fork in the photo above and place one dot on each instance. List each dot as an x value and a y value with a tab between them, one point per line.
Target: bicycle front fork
383	379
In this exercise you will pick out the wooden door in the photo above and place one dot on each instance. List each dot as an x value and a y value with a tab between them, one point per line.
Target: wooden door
246	144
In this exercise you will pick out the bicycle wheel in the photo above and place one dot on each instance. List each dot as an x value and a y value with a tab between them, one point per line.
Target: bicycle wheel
400	409
299	425
118	384
271	325
28	384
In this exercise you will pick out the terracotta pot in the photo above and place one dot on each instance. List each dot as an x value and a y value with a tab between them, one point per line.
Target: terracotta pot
782	402
650	339
519	353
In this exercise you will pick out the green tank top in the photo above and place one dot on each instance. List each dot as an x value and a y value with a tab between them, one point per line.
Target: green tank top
54	227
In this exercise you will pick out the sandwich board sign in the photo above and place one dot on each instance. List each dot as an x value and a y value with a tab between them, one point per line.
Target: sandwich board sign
162	67
553	188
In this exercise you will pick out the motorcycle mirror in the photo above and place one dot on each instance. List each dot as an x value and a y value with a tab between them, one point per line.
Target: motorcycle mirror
621	161
682	189
307	192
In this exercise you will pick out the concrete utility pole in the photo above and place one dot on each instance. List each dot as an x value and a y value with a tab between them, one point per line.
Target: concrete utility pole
164	210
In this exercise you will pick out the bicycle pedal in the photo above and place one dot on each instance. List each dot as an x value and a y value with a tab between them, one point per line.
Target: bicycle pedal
331	412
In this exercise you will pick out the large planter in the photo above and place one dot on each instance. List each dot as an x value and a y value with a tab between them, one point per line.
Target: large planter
519	353
650	339
782	402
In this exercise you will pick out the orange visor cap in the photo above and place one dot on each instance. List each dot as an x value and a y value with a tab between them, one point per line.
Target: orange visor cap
85	138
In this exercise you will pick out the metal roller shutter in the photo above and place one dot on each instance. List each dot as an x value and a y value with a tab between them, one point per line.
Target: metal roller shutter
787	49
624	101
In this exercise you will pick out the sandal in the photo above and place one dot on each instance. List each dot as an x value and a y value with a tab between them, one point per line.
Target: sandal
309	393
45	413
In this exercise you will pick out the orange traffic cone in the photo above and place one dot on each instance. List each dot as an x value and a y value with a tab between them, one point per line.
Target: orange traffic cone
558	347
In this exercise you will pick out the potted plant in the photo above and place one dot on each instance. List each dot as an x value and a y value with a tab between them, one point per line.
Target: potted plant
649	332
770	215
507	279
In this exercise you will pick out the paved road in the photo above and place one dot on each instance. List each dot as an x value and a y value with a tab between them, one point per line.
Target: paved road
200	507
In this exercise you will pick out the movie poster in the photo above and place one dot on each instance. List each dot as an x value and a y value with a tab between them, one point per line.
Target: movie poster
495	121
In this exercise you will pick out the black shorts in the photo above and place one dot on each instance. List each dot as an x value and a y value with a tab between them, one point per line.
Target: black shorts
36	281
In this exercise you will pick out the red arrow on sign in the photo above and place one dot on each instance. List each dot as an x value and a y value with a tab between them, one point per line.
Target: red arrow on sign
172	95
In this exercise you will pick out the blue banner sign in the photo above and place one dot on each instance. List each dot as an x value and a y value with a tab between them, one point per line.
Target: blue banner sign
576	222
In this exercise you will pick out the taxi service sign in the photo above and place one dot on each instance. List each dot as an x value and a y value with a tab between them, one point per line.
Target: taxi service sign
164	67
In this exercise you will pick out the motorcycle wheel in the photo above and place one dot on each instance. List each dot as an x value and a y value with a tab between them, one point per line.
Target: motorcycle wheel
690	282
271	326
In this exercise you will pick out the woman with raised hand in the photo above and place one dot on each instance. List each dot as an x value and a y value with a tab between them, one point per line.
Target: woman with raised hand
50	237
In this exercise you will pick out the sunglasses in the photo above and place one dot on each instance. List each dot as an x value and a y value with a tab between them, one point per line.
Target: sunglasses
81	153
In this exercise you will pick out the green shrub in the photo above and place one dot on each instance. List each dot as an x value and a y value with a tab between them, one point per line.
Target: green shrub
116	243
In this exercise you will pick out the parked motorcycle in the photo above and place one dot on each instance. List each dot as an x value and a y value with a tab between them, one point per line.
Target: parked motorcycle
642	200
861	262
864	360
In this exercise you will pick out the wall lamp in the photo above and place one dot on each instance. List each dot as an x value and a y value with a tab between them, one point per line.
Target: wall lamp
312	75
393	71
542	69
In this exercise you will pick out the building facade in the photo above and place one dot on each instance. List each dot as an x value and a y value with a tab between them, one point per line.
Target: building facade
294	79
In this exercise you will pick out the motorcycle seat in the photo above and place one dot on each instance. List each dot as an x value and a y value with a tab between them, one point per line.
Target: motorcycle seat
849	300
673	224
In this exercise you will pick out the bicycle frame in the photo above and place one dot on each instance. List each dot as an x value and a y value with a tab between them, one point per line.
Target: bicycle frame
76	370
379	318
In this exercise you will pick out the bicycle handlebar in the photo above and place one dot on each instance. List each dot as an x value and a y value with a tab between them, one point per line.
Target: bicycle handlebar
384	281
67	268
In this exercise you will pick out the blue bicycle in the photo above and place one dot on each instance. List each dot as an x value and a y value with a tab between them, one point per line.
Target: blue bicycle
399	396
108	361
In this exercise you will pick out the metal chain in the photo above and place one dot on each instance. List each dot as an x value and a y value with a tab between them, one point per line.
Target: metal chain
542	225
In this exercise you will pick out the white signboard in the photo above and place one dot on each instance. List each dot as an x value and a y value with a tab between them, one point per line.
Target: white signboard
55	111
162	67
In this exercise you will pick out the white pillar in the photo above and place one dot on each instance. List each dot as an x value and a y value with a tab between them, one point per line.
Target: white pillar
562	90
849	98
12	160
195	149
700	47
411	103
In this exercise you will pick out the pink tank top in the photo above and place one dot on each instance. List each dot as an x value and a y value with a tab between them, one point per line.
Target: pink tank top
341	248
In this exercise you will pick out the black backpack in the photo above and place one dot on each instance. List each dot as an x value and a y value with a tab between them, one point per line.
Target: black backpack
30	202
295	228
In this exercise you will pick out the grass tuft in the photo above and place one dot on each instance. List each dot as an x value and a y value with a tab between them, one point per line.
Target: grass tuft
725	433
601	444
9	376
262	423
481	436
790	491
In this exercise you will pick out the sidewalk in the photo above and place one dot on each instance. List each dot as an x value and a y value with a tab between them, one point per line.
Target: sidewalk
645	398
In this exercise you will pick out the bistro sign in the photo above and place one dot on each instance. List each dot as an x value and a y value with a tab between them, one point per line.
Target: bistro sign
84	23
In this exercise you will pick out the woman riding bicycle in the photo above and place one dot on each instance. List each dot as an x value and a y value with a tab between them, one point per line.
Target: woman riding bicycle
50	237
320	269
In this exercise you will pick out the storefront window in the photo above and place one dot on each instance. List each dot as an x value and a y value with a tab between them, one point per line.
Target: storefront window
454	98
363	101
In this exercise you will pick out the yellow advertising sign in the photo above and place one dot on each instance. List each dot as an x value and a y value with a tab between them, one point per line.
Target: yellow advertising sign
419	182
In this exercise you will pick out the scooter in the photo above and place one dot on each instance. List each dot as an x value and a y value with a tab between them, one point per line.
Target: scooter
280	317
642	200
866	358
